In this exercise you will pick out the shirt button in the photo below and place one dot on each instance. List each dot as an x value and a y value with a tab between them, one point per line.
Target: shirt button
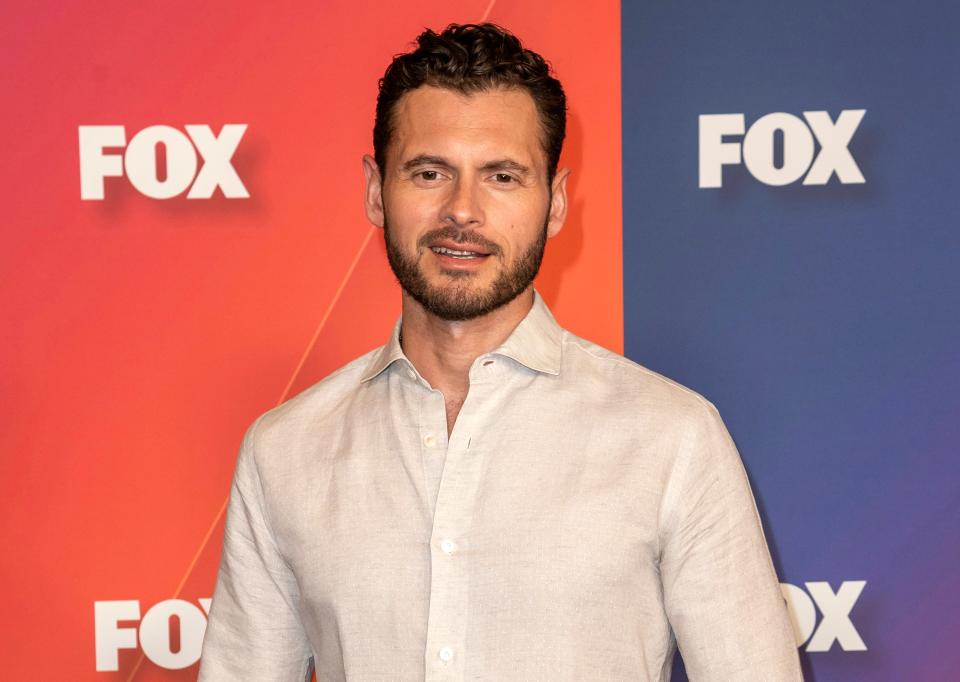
429	440
446	653
448	546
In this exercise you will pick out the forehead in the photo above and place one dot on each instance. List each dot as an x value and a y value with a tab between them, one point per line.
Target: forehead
493	123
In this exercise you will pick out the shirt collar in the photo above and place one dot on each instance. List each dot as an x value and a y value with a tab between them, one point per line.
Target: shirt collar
534	343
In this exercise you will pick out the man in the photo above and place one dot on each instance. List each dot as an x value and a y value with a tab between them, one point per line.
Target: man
487	496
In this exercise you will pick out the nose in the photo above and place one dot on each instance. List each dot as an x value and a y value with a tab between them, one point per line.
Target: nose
463	206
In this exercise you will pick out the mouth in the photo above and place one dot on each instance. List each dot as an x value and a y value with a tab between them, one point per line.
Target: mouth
458	254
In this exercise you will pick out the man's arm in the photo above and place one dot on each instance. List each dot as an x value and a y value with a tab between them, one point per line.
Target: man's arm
720	589
254	632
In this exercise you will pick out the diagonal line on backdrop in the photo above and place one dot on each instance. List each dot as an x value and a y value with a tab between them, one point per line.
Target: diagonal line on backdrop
486	12
283	396
326	315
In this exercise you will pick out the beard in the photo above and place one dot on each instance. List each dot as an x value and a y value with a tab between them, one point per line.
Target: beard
457	300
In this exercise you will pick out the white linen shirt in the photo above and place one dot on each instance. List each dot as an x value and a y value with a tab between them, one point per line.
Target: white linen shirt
584	516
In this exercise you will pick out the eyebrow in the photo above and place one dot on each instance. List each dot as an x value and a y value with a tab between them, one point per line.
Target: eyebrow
498	165
426	160
506	165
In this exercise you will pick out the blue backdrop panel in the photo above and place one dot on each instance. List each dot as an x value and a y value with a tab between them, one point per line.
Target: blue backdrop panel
822	320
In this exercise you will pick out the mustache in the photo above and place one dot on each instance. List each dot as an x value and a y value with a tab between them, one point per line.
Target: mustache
461	237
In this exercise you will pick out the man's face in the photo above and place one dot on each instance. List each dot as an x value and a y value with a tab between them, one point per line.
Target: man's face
465	203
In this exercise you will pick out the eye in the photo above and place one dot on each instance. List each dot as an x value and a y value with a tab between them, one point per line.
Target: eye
429	175
504	178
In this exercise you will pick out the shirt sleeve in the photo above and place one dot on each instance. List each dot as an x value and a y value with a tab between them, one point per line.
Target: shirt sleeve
254	631
720	589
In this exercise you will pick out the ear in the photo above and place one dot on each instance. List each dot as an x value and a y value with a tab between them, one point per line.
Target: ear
558	203
373	192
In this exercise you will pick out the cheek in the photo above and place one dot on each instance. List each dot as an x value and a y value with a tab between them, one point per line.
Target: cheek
407	220
519	222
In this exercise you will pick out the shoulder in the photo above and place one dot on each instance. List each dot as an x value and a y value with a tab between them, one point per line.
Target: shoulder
311	408
627	383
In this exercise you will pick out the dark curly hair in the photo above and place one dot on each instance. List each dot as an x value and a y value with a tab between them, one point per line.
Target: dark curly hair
471	58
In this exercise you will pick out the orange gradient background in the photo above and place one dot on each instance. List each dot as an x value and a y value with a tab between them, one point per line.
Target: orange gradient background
141	337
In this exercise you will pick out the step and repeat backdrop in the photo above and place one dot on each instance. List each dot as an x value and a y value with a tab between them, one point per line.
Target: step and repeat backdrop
764	208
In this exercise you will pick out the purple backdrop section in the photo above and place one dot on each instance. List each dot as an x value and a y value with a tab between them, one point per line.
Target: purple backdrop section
822	320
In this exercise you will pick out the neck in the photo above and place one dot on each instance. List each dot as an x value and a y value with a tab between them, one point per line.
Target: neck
443	351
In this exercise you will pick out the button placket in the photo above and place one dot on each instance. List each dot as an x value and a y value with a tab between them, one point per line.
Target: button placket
450	550
449	546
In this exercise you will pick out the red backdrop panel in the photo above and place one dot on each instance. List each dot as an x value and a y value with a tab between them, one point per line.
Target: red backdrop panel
142	336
